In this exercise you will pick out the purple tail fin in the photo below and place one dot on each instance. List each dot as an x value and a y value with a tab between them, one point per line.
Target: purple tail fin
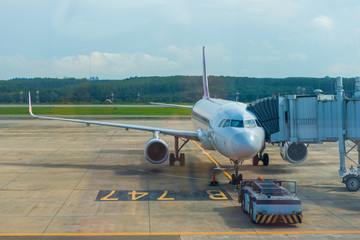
205	79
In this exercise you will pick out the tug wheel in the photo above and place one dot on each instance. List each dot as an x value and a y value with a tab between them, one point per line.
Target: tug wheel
353	184
251	211
243	204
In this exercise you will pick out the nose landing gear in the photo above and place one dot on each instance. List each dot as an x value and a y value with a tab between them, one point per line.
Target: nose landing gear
236	177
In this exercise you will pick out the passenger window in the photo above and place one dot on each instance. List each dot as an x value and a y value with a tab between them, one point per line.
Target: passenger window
227	123
237	123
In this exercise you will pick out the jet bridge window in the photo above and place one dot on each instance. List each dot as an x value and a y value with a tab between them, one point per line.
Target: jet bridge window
237	123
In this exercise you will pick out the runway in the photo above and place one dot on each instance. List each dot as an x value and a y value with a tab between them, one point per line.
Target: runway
62	180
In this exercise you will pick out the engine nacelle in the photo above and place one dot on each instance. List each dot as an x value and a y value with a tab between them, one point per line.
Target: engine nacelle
156	151
293	152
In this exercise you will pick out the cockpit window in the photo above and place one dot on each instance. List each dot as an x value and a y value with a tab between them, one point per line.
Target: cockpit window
221	123
237	123
250	123
227	123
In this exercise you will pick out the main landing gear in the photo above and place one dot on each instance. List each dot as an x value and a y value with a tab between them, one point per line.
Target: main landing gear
178	156
236	177
261	157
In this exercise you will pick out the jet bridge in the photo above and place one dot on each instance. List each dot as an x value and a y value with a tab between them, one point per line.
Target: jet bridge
297	121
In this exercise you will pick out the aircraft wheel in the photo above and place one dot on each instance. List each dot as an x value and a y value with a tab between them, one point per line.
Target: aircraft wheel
265	159
182	159
255	160
233	179
172	159
353	184
239	179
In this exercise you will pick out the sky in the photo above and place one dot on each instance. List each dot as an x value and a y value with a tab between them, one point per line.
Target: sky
118	39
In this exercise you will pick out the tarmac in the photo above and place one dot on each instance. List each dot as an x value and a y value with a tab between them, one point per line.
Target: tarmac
61	180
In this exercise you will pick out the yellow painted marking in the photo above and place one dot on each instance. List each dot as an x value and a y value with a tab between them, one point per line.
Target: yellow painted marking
269	218
257	218
216	163
290	219
163	197
275	218
263	219
134	193
301	217
216	194
107	197
284	219
175	233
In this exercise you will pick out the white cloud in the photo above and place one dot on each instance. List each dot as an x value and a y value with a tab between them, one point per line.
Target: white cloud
181	53
323	22
269	53
262	59
159	37
345	70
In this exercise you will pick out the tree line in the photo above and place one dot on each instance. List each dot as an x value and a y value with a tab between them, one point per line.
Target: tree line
172	89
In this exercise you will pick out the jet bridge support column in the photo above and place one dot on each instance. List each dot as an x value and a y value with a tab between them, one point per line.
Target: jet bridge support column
358	149
340	117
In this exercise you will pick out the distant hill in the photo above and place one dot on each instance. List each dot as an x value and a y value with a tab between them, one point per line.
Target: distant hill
173	89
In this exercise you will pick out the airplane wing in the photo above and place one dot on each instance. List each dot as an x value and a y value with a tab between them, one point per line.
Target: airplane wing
193	135
173	105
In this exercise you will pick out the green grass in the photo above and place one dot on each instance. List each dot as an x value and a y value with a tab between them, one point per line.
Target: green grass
96	111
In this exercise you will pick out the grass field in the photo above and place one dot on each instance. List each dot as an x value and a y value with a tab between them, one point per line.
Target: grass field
96	111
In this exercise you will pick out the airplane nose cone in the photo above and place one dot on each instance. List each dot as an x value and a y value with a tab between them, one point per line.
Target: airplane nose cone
246	145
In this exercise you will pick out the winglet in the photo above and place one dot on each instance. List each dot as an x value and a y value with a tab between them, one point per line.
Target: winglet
30	107
205	79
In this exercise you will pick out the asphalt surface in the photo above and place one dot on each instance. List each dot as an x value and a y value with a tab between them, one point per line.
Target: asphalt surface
62	180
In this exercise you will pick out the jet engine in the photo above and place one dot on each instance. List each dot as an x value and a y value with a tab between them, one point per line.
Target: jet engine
156	151
293	152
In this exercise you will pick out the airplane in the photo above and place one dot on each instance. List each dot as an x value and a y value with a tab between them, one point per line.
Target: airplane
222	125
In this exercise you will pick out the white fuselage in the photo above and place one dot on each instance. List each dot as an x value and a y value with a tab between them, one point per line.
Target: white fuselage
228	127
